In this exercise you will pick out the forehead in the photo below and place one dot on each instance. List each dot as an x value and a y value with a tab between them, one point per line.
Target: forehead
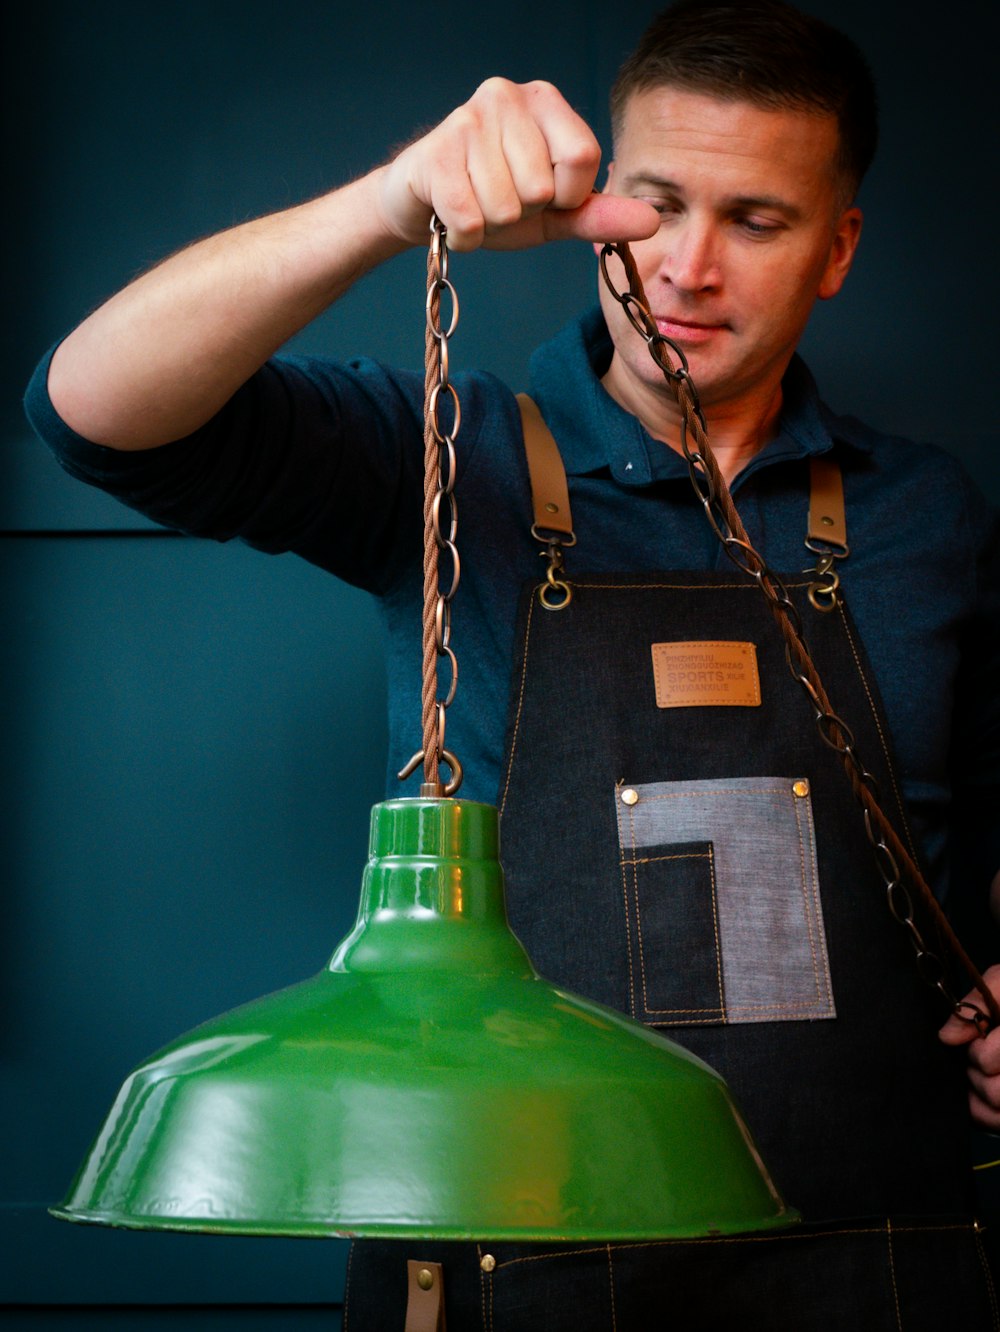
670	131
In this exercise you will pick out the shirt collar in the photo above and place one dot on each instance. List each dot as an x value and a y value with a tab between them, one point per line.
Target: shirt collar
594	433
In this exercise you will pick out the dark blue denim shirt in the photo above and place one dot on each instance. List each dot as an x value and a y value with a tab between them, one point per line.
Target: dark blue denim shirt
326	460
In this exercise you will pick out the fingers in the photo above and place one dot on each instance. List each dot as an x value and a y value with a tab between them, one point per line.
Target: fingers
984	1055
526	150
958	1032
983	1058
514	166
984	1099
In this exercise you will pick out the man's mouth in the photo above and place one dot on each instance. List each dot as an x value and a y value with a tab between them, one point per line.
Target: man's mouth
690	331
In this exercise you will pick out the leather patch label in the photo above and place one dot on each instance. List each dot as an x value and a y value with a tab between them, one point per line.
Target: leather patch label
706	675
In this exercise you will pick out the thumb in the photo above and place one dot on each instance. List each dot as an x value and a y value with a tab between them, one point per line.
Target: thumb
956	1031
602	217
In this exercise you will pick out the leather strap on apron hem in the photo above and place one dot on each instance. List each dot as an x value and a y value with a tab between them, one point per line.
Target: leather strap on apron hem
425	1297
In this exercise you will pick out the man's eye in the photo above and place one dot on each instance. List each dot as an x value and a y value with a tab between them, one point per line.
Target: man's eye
754	227
665	207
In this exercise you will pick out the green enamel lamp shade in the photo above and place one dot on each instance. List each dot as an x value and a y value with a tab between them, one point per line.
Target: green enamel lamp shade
427	1083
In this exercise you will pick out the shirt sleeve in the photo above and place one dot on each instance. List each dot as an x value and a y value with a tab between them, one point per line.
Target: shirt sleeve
308	456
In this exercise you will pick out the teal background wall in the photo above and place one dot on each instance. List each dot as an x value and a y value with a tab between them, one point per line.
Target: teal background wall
193	734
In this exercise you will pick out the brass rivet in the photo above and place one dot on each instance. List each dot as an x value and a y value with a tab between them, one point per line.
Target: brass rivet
827	522
800	788
630	797
552	508
487	1262
425	1279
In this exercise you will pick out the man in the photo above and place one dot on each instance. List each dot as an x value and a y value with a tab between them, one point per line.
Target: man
741	135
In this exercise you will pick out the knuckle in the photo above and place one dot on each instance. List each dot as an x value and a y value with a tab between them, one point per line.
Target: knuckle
460	215
985	1089
981	1113
582	150
495	88
538	192
464	120
505	212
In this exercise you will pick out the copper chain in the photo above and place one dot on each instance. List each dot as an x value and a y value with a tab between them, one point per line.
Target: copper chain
899	871
440	525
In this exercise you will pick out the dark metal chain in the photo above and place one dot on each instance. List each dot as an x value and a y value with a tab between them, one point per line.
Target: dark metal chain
896	867
441	575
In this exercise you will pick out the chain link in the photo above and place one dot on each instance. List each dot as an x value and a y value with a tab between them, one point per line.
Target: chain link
823	595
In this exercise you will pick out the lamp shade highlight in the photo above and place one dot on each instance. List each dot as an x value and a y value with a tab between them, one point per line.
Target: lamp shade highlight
427	1083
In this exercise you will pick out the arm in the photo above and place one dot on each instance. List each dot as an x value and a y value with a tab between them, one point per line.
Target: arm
514	166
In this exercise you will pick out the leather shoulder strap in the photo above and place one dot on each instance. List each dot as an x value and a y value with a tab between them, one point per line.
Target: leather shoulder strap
549	492
827	520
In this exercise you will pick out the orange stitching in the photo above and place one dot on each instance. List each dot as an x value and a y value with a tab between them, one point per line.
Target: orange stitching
628	927
776	1006
520	705
798	801
347	1285
653	860
990	1290
805	1006
628	924
776	1237
818	907
482	1284
700	855
715	930
718	790
611	1283
638	923
901	808
892	1274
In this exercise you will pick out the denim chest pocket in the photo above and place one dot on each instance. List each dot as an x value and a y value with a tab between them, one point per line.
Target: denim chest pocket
722	906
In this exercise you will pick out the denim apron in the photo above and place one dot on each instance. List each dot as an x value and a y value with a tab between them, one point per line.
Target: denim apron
703	867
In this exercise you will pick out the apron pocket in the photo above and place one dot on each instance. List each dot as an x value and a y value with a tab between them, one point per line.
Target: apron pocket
722	907
675	963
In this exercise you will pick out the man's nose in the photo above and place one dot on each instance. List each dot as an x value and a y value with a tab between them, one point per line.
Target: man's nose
691	261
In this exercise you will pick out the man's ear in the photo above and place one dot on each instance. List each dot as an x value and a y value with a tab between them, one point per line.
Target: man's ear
598	245
842	251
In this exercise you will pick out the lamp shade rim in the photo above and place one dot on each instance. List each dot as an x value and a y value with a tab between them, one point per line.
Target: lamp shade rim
728	1228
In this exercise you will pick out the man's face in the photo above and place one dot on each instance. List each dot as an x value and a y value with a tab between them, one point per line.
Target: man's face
752	233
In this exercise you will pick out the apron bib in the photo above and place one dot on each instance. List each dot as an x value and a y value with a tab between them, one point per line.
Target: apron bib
679	844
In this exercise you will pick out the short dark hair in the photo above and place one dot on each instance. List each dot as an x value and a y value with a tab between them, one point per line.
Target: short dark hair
763	52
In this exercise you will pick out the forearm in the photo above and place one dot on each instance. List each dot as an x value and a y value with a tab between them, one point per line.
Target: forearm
157	360
514	166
